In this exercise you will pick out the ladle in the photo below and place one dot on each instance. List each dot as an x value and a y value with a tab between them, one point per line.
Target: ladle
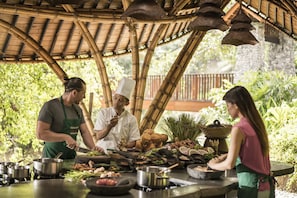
169	168
58	155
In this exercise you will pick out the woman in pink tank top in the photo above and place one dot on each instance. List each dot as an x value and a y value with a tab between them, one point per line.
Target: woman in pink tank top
249	147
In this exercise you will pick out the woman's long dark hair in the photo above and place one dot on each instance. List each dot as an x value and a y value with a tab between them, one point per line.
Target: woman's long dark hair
241	97
73	83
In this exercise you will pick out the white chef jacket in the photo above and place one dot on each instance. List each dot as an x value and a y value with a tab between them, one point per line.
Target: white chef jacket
126	129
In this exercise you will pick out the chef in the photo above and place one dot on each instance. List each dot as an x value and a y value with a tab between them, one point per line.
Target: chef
116	126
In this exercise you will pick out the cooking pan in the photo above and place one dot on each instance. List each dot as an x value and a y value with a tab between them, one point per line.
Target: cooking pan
18	172
4	167
48	166
153	176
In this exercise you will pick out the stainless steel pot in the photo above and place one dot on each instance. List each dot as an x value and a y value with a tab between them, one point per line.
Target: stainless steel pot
4	167
48	166
18	172
153	176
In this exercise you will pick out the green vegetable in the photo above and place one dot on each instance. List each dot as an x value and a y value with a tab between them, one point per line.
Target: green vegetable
78	176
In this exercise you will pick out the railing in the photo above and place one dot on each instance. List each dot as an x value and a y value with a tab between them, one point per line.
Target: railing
192	87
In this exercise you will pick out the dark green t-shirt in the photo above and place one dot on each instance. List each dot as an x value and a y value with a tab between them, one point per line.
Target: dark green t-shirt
53	114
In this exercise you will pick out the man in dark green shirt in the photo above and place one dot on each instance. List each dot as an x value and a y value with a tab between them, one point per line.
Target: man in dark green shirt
61	118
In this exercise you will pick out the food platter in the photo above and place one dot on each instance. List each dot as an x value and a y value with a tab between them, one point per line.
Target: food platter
123	186
200	171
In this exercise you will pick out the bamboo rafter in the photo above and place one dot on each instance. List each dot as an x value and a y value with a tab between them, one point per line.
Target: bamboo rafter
97	17
33	44
145	67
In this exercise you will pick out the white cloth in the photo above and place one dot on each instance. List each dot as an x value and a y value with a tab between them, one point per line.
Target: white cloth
125	87
126	129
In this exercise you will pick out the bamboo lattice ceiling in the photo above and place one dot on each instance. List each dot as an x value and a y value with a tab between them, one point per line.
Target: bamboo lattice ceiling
53	29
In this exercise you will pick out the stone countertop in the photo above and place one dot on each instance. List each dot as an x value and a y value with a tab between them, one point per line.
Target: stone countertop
49	188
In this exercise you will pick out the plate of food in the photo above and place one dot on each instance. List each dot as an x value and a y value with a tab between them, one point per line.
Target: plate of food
201	171
110	186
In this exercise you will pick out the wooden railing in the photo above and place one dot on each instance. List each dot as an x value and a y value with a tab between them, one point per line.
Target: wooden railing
192	87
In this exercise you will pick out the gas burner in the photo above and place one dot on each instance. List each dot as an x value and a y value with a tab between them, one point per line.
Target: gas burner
171	185
38	176
6	180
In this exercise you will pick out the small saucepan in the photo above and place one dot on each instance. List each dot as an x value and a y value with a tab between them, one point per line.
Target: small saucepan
4	167
18	172
153	176
48	166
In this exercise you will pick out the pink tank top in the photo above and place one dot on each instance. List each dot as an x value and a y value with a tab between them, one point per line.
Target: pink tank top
250	152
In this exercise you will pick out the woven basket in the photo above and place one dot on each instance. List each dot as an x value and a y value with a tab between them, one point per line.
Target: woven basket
221	131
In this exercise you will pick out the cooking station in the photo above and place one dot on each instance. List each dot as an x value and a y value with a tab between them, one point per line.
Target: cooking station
183	186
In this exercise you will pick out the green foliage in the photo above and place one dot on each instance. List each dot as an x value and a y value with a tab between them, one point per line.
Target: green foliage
182	127
209	57
24	89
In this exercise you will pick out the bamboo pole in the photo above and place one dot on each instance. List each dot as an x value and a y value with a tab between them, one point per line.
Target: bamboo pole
88	120
91	98
37	48
97	56
147	61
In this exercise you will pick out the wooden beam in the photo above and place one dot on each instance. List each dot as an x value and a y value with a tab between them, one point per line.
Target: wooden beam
191	106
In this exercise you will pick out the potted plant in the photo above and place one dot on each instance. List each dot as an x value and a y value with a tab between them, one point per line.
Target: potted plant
182	127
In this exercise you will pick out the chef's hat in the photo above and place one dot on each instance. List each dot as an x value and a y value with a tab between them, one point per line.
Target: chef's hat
125	87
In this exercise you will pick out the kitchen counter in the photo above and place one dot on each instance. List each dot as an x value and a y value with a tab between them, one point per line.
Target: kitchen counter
50	188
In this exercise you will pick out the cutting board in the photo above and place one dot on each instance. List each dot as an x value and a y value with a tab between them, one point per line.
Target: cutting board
84	158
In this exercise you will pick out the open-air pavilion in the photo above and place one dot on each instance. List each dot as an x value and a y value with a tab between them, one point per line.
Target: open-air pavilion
51	31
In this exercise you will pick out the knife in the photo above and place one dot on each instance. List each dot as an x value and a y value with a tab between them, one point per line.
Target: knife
83	150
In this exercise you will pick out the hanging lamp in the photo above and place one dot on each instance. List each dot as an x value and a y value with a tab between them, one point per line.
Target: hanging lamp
209	16
144	10
239	33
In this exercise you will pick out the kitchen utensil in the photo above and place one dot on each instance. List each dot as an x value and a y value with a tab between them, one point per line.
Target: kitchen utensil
150	177
58	155
48	166
200	171
123	187
83	150
18	172
169	168
4	167
84	158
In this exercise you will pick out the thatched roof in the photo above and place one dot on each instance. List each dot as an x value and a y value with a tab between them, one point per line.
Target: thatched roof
27	26
53	30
